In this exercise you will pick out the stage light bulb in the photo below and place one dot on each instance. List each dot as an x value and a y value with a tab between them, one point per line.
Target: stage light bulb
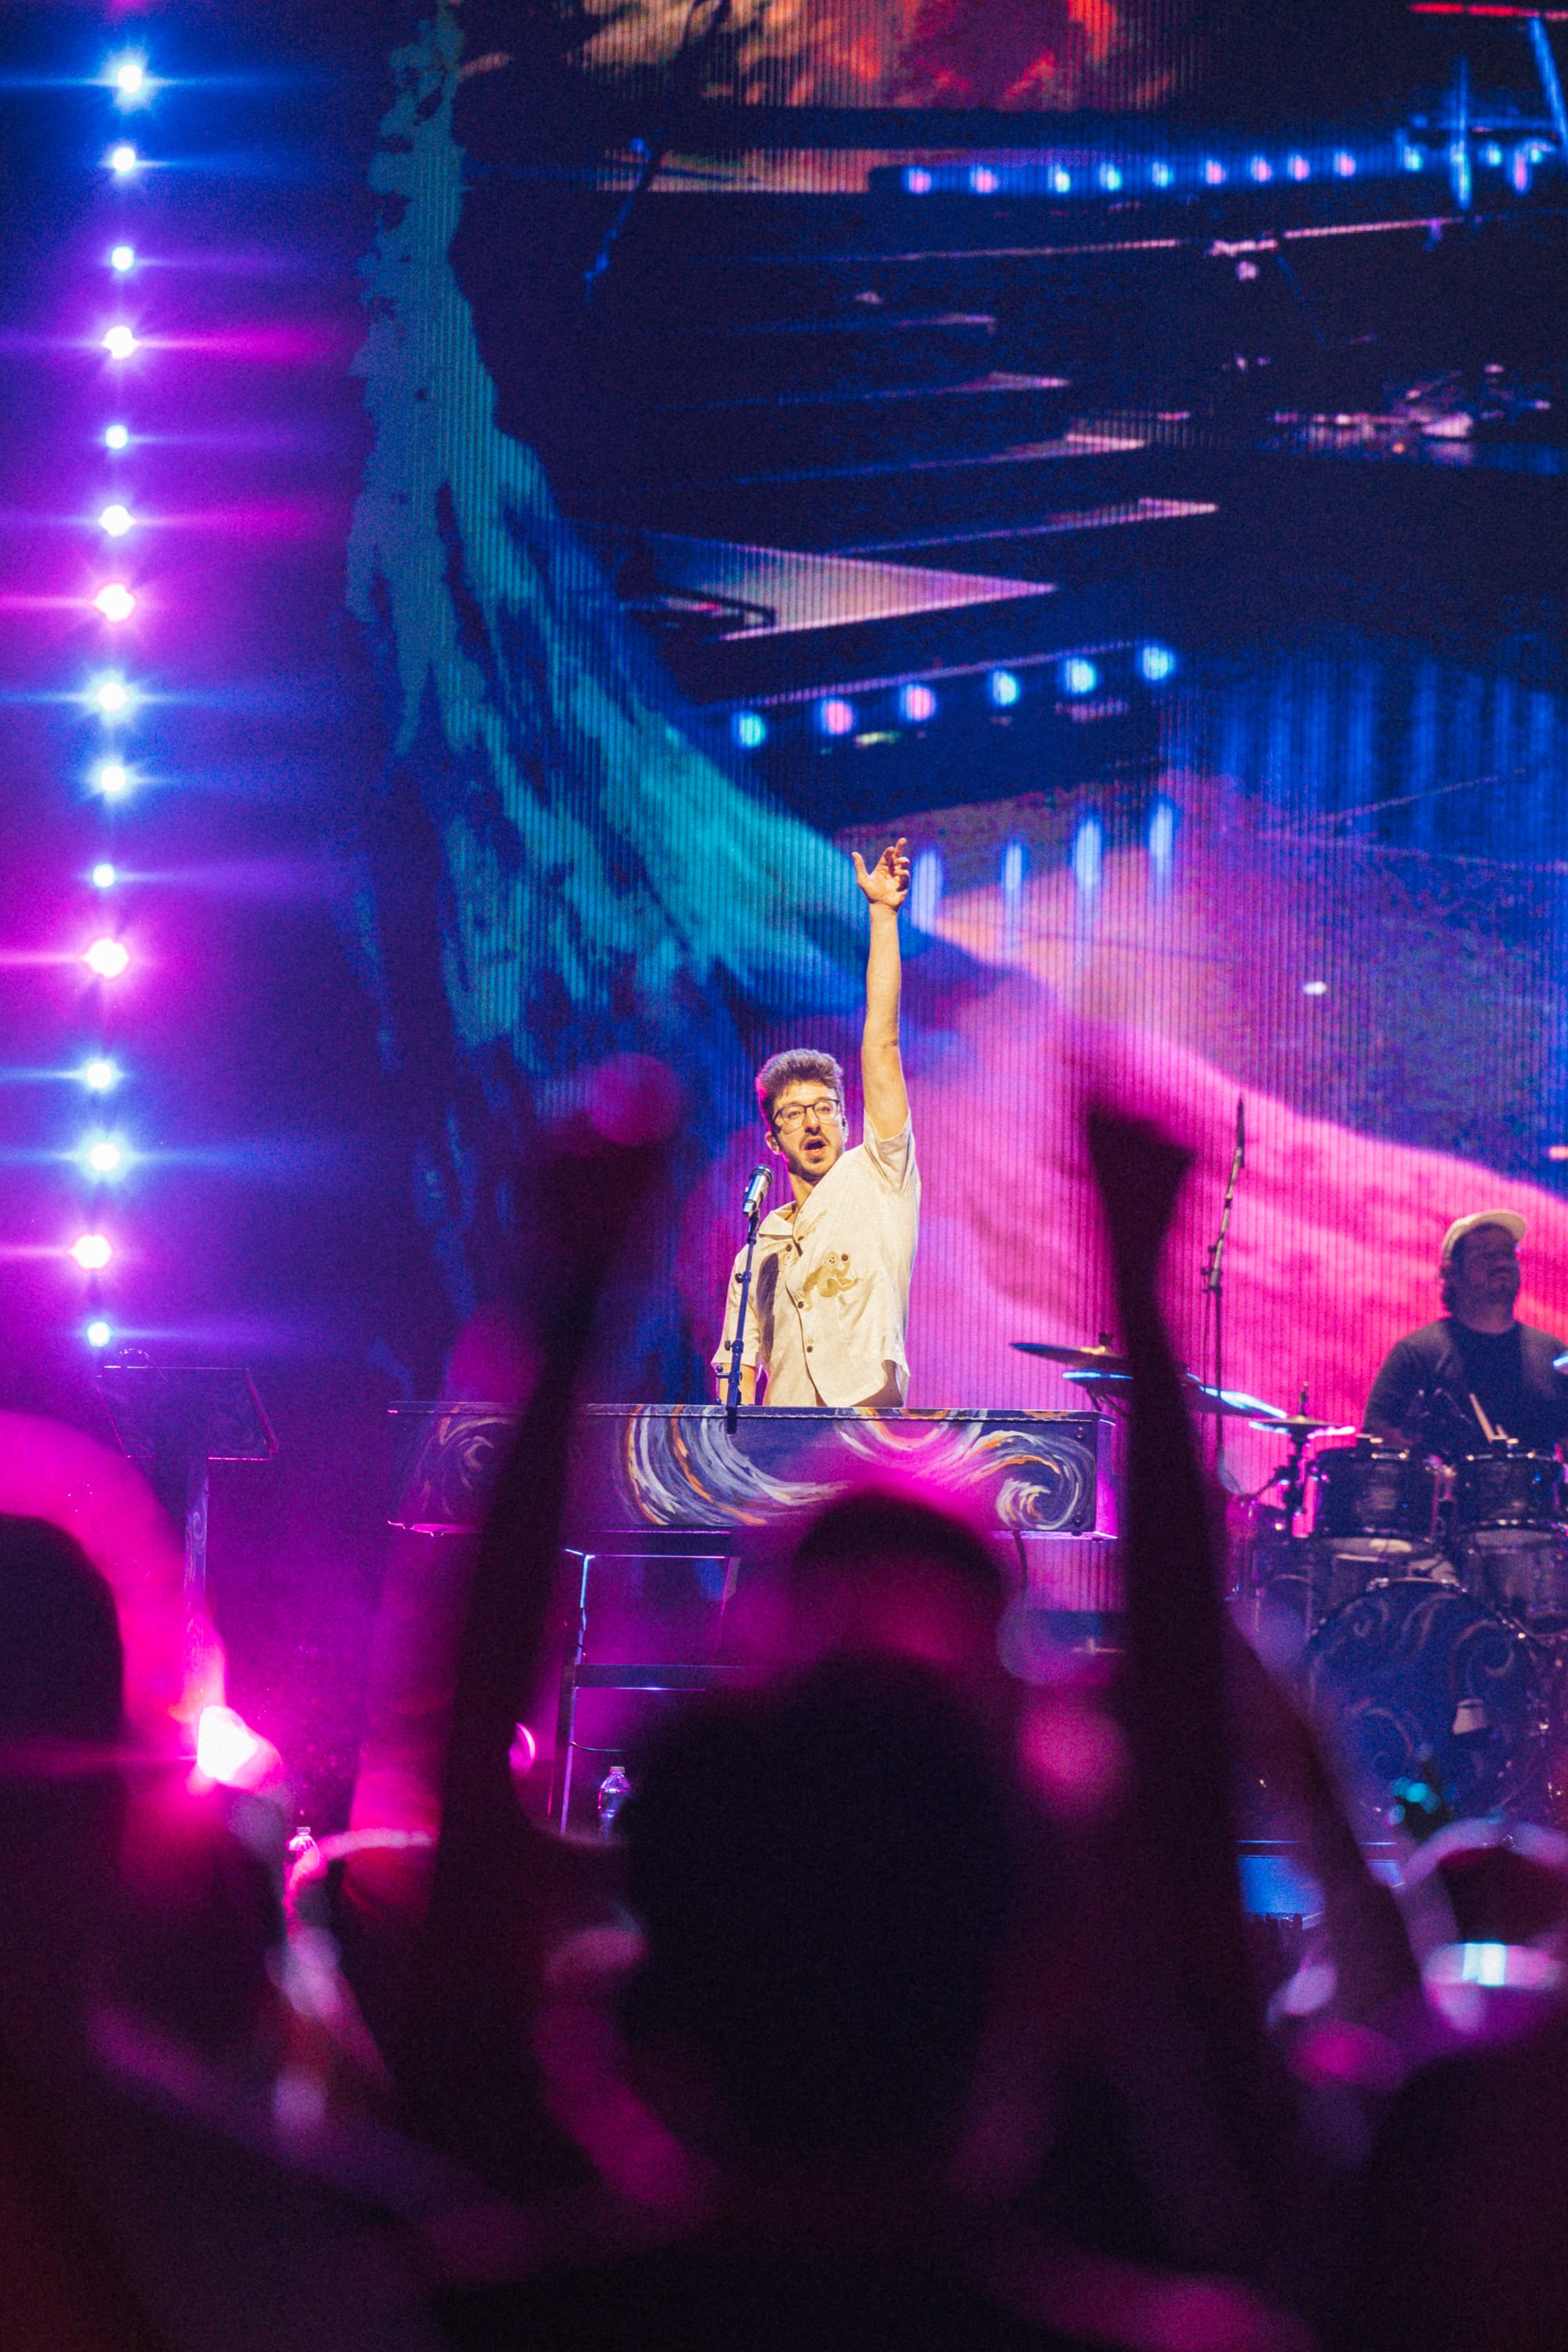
104	876
129	76
107	958
1110	178
916	704
111	696
1061	181
836	717
120	342
117	436
749	729
1345	165
122	161
1161	174
105	1156
1155	663
983	180
918	181
112	777
1079	676
1298	167
1003	688
116	520
98	1333
115	601
100	1075
91	1253
122	258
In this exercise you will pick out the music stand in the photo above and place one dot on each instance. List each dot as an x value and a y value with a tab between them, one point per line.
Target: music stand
175	1419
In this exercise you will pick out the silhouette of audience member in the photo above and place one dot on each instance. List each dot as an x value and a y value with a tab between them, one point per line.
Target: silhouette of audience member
828	1876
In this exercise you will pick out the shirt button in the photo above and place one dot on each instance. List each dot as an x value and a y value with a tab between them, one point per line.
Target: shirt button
808	1347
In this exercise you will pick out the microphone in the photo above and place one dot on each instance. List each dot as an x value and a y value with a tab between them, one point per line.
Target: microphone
758	1184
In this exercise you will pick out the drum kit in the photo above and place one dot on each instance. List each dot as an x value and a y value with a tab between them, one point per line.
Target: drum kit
1421	1606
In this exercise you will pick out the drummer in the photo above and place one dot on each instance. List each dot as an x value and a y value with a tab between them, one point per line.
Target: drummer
1477	1373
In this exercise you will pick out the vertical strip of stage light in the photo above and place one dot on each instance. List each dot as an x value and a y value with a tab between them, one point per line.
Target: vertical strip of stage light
102	1154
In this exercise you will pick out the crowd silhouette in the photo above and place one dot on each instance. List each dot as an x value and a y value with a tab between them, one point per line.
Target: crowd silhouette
912	2002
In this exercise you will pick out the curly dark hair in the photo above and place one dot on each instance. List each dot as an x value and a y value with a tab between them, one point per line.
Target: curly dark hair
797	1066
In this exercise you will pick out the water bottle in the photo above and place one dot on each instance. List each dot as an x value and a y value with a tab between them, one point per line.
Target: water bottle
613	1790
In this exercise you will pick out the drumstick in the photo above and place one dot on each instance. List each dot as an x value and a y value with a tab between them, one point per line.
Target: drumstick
1488	1431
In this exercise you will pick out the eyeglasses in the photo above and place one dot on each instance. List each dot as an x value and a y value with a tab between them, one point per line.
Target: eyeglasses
797	1114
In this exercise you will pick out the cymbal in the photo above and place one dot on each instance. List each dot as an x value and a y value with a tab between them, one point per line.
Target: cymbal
1233	1402
1087	1359
1299	1426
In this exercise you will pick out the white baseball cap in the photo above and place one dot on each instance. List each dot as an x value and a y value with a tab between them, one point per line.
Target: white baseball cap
1511	1221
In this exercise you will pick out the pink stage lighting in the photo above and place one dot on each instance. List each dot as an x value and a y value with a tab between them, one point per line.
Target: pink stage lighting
91	1253
115	601
230	1753
119	342
107	958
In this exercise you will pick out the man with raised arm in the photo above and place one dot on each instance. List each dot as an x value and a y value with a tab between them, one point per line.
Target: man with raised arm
830	1284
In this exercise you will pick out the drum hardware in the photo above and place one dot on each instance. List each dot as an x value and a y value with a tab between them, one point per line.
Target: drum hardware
1104	1374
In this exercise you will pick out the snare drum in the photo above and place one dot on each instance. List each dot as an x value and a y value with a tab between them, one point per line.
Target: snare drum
1422	1681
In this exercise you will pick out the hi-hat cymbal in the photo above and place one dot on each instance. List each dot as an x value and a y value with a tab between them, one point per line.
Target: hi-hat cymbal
1233	1402
1087	1359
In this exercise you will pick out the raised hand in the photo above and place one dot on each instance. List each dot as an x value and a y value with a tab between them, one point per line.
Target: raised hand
886	883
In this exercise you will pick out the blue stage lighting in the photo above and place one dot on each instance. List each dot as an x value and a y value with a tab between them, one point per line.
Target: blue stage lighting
836	717
123	258
127	76
1004	688
117	436
1088	854
112	778
983	181
98	1333
1261	169
917	181
124	160
1109	177
110	696
1061	181
1411	157
100	1075
1155	663
1297	167
916	704
104	1156
1162	175
1345	165
1491	155
1213	172
749	729
1078	676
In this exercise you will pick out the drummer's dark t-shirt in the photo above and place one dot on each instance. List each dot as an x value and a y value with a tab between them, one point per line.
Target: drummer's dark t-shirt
1427	1379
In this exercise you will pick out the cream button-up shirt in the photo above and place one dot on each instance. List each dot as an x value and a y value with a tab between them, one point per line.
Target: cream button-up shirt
830	1284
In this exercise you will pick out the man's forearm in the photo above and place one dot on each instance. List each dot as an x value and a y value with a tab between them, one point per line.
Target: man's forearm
881	1064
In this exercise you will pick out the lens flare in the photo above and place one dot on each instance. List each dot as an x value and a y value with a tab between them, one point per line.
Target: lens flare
115	519
115	601
123	258
107	958
112	777
103	876
111	695
124	160
100	1075
98	1333
92	1253
105	1155
117	436
119	342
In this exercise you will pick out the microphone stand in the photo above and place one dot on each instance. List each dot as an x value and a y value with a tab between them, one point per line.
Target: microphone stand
737	1345
1214	1283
